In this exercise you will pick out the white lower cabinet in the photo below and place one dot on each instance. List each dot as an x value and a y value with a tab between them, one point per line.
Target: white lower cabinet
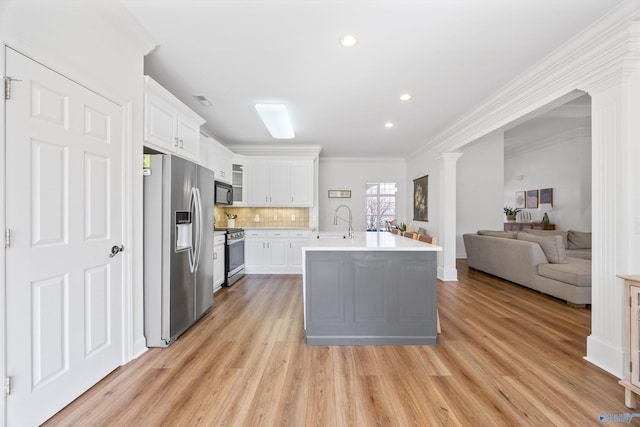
295	253
218	262
274	250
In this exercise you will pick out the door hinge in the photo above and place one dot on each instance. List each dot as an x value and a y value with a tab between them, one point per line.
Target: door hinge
7	238
7	85
7	386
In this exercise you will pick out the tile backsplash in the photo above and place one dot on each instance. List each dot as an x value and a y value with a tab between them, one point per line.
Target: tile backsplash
263	217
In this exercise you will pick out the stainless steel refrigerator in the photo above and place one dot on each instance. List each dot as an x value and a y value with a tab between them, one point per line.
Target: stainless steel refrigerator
178	246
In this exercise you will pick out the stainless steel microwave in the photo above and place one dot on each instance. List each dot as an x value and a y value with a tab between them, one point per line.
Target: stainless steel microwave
224	193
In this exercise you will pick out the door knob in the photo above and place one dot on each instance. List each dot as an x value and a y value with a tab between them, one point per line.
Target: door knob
115	250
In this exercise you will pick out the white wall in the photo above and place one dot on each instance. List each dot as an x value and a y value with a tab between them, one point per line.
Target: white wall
562	163
480	179
354	174
418	166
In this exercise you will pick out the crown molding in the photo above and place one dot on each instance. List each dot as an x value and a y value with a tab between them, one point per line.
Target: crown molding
599	57
581	133
362	160
122	21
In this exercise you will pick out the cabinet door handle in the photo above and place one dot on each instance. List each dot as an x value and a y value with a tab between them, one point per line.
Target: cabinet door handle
175	141
181	144
215	255
266	199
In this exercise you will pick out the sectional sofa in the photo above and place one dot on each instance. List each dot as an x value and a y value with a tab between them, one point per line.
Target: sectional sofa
557	263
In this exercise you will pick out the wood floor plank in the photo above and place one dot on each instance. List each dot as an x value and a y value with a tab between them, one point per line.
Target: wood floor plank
507	356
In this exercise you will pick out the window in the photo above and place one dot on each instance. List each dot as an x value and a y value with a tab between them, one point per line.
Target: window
381	204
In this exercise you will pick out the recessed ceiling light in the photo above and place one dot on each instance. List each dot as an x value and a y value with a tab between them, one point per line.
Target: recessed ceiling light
389	125
405	97
276	118
348	40
203	100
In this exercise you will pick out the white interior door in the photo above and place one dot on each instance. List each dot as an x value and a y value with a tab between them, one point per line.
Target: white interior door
63	208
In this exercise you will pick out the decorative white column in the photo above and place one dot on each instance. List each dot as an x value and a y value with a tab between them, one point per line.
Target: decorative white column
447	212
615	104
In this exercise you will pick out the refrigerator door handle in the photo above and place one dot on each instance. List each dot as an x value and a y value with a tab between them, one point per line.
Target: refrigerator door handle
199	227
192	249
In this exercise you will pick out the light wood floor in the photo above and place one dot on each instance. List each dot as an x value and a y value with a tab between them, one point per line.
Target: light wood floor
506	356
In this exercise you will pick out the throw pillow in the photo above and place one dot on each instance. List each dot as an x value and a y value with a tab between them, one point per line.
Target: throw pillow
499	233
579	240
547	233
552	246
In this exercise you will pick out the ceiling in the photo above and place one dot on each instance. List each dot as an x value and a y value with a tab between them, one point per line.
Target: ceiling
448	54
538	131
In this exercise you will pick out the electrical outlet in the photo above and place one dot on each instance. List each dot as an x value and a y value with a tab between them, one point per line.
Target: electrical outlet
293	217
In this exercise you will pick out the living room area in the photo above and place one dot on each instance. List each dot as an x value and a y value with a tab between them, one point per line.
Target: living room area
547	184
467	186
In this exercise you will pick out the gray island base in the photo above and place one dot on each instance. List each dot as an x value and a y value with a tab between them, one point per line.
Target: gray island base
370	297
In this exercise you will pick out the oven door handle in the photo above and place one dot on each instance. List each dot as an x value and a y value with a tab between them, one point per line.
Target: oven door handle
233	242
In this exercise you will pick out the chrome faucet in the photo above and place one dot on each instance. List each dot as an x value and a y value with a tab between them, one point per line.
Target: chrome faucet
350	220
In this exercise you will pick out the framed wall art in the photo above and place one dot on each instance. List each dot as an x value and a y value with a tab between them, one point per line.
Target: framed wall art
420	198
521	198
339	194
532	199
546	197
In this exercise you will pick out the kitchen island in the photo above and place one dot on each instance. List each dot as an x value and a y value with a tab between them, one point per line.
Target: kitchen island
377	288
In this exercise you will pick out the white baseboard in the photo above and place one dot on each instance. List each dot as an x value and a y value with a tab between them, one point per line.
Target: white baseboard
605	356
447	274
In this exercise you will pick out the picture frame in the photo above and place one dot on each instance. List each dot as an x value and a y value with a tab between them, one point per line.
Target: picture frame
421	198
521	199
339	194
532	199
546	197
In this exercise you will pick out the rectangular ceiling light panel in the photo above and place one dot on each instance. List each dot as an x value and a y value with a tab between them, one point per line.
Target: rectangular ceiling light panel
276	118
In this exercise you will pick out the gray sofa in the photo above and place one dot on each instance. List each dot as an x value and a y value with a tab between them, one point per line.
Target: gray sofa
557	263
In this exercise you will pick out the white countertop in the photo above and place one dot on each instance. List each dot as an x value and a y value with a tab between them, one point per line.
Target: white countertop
366	241
277	228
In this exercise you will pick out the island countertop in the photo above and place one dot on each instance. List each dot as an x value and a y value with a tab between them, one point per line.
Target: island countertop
378	288
365	241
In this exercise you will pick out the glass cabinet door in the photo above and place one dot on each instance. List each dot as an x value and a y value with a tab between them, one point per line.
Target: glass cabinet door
237	180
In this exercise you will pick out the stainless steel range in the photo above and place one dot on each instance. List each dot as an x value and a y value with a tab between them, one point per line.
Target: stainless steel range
233	255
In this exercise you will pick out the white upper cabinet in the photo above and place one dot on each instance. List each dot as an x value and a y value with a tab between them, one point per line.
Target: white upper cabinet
222	162
280	183
258	188
169	125
188	138
302	183
216	157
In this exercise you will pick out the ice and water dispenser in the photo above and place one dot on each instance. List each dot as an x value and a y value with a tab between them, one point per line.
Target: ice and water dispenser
183	231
